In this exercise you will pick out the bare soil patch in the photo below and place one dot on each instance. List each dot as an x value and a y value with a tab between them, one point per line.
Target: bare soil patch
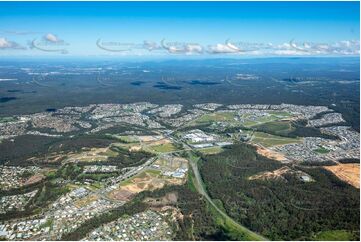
270	154
349	173
34	179
279	174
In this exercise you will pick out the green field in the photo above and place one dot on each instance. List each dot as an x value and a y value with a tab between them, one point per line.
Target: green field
273	119
321	150
163	148
109	153
335	235
154	172
276	127
124	138
211	150
269	140
7	119
96	176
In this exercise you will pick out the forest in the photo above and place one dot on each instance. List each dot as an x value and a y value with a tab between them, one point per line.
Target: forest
279	209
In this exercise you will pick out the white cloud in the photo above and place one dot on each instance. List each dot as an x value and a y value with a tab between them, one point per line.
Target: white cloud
13	32
223	49
345	47
52	38
150	45
290	52
193	48
182	48
7	44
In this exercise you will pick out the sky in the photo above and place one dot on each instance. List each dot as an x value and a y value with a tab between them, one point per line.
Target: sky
179	28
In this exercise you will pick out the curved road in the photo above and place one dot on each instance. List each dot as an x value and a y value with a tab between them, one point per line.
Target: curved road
200	187
250	235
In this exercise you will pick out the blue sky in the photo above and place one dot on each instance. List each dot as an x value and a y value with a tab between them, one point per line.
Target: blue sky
186	28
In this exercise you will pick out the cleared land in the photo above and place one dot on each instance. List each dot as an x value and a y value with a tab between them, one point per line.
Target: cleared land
278	174
147	180
269	119
86	200
349	173
215	117
270	154
172	163
211	150
154	144
34	179
269	140
163	148
92	155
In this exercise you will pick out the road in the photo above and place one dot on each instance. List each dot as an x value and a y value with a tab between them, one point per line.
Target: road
200	188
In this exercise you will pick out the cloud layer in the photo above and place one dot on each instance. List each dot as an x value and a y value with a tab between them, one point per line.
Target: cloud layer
50	42
7	44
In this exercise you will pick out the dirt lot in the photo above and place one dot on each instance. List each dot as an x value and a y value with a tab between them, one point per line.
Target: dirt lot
171	163
86	200
121	195
148	180
34	179
167	200
271	154
159	142
272	175
279	174
349	173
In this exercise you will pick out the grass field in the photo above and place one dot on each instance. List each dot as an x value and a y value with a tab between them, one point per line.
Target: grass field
273	121
163	148
96	176
335	235
211	150
7	119
321	150
275	127
124	138
269	140
154	172
215	117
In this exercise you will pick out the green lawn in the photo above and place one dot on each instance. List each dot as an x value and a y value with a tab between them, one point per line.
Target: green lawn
124	138
211	150
269	140
335	235
110	153
154	172
274	126
163	148
7	119
96	176
321	150
273	120
234	230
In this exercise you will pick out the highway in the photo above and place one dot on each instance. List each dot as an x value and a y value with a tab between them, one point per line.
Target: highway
201	190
